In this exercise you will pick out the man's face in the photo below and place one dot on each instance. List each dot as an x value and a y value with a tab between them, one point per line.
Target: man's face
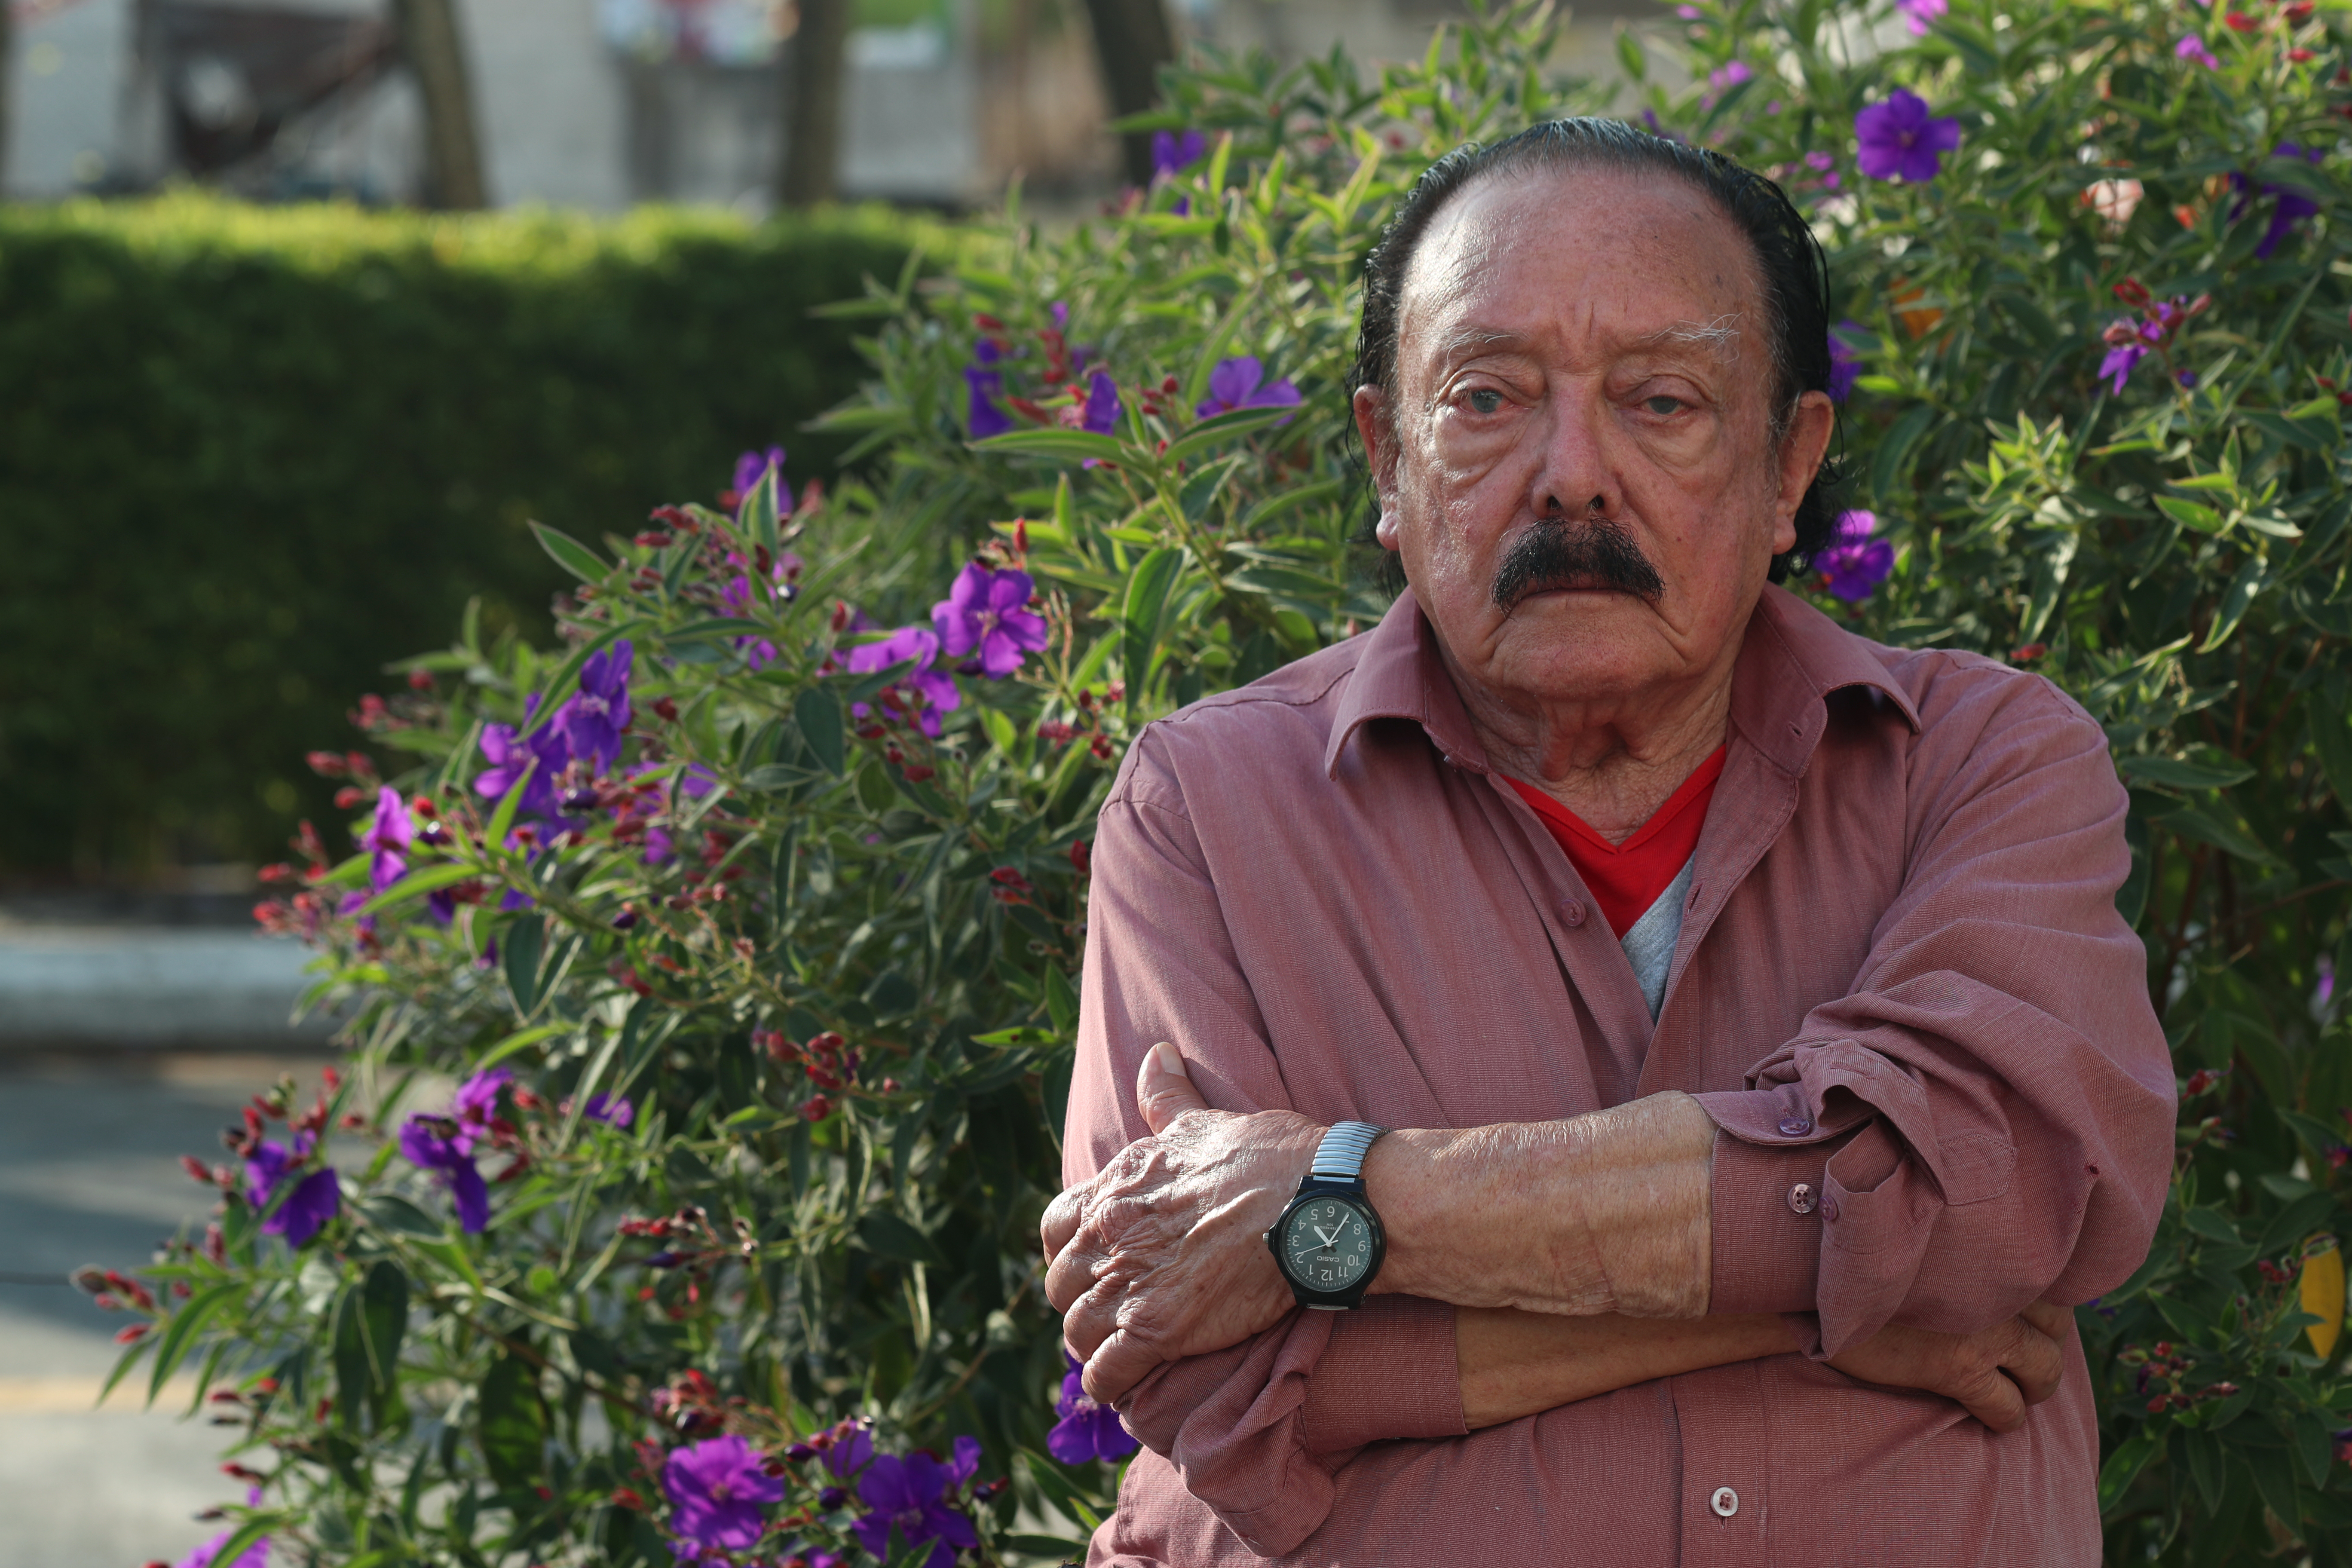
1577	467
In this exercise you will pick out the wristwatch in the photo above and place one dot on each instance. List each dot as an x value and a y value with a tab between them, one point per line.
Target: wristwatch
1328	1243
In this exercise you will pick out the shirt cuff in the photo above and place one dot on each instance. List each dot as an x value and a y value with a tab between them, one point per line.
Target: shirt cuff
1390	1372
1766	1198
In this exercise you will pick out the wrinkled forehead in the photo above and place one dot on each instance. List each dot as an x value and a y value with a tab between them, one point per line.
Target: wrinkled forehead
1583	263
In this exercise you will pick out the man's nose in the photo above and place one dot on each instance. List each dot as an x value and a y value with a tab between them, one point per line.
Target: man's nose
1576	479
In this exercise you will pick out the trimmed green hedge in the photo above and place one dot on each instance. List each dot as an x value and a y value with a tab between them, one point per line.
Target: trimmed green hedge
247	454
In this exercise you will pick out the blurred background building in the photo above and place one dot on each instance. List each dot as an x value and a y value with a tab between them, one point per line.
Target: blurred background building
604	103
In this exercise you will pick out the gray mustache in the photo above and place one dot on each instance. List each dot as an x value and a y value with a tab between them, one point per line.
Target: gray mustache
1597	553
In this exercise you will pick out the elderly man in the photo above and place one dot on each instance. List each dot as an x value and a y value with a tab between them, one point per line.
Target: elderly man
1691	1050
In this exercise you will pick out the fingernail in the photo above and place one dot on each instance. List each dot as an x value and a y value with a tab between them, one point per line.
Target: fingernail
1169	1059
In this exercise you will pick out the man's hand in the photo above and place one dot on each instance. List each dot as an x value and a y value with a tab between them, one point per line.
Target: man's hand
1995	1373
1162	1255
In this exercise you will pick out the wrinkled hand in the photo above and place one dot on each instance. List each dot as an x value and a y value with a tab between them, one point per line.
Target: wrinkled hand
1162	1255
1996	1372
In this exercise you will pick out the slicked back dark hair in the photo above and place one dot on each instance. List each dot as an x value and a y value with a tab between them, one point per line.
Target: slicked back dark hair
1787	258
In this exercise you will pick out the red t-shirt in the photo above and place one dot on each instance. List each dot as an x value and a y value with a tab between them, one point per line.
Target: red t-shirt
1626	879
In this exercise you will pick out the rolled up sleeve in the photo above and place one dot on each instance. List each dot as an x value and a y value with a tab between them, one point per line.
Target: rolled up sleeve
1985	1119
1259	1430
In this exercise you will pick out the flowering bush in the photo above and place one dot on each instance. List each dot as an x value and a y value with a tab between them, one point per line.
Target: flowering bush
713	975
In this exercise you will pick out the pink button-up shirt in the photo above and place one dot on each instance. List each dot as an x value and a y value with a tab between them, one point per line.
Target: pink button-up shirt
1901	981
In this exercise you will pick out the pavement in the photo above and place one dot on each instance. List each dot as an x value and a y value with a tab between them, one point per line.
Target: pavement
121	1047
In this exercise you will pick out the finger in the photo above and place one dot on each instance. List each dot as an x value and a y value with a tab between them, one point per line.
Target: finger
1063	1217
1092	1318
1992	1399
2035	1360
1163	1089
1118	1363
1071	1274
2049	1318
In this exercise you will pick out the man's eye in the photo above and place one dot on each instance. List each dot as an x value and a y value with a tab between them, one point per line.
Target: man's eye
1663	405
1486	400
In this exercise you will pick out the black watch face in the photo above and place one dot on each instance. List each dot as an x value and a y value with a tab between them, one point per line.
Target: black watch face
1327	1244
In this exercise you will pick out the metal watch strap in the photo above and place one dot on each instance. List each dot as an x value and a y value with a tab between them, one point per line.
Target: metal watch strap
1340	1156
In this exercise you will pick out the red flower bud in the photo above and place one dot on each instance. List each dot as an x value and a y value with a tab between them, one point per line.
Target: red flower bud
420	680
1081	858
326	764
667	709
2238	22
2132	293
816	1107
132	1333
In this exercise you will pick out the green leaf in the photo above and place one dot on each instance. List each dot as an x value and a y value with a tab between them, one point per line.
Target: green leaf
416	884
2197	823
1889	464
818	712
571	554
502	819
2191	513
1067	445
1630	55
513	1431
2124	1466
885	1234
2274	1480
2331	741
520	953
180	1330
245	1536
1061	1002
1142	618
383	1320
2238	598
391	1212
1220	429
520	1041
2173	773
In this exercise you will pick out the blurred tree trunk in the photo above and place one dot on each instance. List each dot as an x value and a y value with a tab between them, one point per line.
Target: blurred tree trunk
1132	40
811	171
435	51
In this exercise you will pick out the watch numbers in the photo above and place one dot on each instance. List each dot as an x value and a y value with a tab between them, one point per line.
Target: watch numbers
1328	1245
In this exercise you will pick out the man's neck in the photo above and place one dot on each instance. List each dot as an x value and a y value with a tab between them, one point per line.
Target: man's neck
1611	763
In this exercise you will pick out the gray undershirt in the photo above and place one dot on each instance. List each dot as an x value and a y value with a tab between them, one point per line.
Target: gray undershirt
1650	944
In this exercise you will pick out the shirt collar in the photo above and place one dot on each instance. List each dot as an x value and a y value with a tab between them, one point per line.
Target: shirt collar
1793	658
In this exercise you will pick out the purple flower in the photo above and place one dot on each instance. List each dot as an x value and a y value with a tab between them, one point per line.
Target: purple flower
984	611
1845	366
1899	137
2186	378
2120	362
851	1449
1855	563
1242	384
920	643
475	1103
905	1496
2325	992
316	1198
595	716
752	467
2192	48
718	1491
1730	76
1171	153
2293	206
434	1143
985	383
1087	1430
1918	14
660	849
388	840
510	751
1101	412
254	1556
612	1109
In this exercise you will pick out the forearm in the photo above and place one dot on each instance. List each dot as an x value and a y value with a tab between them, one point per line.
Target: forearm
1515	1363
1608	1212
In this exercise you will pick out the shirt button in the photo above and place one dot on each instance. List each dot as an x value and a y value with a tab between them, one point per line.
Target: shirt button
1795	1126
1572	914
1829	1206
1726	1502
1801	1198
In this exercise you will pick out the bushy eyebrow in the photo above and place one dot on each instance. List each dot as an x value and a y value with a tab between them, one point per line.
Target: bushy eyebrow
1722	334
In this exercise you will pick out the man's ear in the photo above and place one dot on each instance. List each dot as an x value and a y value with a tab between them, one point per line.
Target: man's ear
1802	451
1370	408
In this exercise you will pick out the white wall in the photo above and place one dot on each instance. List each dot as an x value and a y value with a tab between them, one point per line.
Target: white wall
549	99
65	88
